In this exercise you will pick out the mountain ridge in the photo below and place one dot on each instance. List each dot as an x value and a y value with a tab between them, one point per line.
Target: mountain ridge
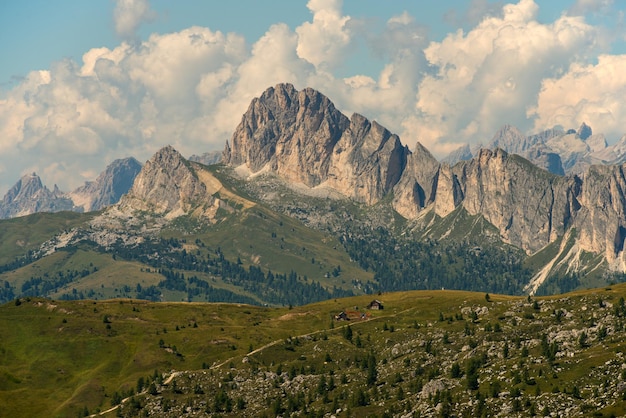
29	195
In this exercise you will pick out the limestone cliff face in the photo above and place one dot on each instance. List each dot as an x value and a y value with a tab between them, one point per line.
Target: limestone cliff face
166	185
300	136
417	186
366	162
601	222
529	206
292	132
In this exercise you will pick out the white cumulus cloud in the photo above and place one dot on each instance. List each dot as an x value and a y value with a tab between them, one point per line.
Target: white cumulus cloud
490	75
324	41
127	101
129	15
590	93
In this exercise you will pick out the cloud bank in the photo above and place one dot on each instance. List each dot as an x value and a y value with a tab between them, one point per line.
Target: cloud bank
190	88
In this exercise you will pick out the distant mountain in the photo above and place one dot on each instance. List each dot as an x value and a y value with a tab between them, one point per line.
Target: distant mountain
29	195
614	154
558	151
109	187
208	158
511	140
463	153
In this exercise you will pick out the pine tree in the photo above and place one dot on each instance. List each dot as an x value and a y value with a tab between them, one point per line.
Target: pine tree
372	373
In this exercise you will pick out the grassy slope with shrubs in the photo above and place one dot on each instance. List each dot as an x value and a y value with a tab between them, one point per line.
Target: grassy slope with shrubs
427	351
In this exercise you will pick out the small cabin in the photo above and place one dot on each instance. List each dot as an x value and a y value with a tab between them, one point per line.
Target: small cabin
342	316
375	304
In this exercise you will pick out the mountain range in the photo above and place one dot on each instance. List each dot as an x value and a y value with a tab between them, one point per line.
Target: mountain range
29	195
364	213
302	138
556	150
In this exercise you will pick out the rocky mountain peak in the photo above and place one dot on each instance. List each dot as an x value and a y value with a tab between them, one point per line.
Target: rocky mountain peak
285	122
303	138
26	187
166	185
511	139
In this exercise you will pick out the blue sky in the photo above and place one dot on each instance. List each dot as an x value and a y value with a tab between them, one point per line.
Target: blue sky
85	82
36	33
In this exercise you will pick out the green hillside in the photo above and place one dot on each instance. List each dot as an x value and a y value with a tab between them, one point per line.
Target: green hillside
250	255
427	353
27	233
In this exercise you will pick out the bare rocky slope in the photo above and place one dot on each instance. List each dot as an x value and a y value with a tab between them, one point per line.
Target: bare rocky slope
166	185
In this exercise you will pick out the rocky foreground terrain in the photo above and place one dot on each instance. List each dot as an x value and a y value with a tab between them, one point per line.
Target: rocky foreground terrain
477	356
